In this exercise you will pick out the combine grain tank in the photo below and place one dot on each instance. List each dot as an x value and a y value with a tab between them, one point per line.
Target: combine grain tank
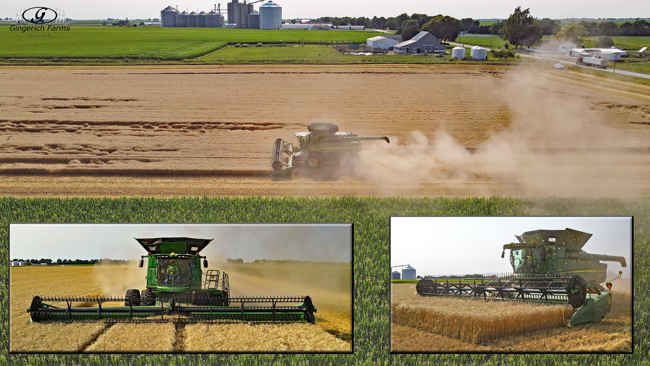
549	267
270	16
323	146
177	290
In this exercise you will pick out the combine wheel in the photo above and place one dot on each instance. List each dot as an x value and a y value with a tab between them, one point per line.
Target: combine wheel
314	161
132	298
148	298
577	291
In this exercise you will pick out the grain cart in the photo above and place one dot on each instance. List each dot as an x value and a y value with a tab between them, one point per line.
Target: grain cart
549	267
177	290
323	146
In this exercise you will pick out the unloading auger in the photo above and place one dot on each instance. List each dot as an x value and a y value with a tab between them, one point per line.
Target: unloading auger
323	146
176	290
549	268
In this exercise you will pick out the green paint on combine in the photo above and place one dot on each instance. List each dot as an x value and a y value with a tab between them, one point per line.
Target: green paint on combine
177	289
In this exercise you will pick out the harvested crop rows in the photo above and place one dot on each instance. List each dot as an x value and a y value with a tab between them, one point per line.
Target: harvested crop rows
448	324
208	130
332	331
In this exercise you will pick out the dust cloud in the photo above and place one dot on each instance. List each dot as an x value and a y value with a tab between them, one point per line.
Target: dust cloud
114	280
556	143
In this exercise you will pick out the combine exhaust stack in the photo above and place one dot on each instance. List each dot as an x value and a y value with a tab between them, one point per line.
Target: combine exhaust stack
175	291
323	146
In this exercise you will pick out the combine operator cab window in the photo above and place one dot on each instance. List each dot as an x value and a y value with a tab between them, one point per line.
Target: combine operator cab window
173	272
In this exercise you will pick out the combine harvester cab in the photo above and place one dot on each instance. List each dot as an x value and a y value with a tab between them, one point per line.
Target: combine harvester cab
549	267
323	146
177	290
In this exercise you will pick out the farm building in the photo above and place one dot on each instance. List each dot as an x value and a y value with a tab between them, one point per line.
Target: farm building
555	46
381	43
642	51
307	26
602	53
423	42
17	263
170	17
408	273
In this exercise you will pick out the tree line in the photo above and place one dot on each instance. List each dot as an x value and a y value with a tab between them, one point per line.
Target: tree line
640	27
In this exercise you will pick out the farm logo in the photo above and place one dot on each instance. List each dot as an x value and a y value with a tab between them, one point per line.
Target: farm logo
39	16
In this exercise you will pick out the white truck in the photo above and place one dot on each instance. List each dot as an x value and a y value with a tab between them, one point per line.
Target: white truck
592	61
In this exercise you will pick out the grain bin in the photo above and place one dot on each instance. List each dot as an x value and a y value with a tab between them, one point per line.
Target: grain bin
478	53
191	19
458	52
408	273
169	17
254	20
395	275
270	16
213	20
182	19
200	19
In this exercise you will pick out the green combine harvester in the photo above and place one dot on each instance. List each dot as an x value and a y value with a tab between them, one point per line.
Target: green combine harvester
321	148
549	267
177	290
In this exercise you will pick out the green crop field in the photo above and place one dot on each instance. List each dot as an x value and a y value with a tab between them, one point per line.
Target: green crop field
630	44
151	42
371	263
497	42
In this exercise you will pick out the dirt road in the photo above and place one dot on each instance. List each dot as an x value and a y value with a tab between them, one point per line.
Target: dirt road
208	130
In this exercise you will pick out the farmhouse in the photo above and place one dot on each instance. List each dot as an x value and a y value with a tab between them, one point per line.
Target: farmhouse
423	42
382	43
555	46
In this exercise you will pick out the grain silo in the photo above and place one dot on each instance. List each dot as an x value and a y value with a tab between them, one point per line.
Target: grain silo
254	20
169	17
270	16
182	19
191	19
408	273
395	275
213	19
478	53
200	19
458	52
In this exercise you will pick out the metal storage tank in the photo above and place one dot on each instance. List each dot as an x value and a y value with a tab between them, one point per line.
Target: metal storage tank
213	20
254	20
408	273
458	52
191	19
200	19
478	53
169	17
234	12
182	19
270	16
395	275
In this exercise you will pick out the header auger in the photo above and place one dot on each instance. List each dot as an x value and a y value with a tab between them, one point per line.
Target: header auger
321	148
176	290
549	268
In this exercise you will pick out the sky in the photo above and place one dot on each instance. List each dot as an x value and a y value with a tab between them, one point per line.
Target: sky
465	245
477	9
323	242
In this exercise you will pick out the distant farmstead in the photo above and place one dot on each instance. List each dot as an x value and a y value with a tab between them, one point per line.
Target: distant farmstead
423	42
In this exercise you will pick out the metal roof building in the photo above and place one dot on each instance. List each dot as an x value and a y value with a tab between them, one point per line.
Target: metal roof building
381	43
423	42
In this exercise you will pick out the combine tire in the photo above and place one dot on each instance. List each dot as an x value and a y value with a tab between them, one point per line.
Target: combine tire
148	298
314	161
132	298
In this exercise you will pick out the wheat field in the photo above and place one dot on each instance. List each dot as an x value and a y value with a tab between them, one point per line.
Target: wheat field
450	325
332	331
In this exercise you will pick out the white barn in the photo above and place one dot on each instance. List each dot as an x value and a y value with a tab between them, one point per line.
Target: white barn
555	46
381	43
423	42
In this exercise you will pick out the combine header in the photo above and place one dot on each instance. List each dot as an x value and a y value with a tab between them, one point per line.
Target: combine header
176	289
323	146
549	268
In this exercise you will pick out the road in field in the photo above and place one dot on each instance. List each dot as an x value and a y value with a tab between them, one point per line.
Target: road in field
208	130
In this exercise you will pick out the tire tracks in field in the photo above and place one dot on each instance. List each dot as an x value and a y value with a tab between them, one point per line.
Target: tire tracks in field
179	339
94	338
